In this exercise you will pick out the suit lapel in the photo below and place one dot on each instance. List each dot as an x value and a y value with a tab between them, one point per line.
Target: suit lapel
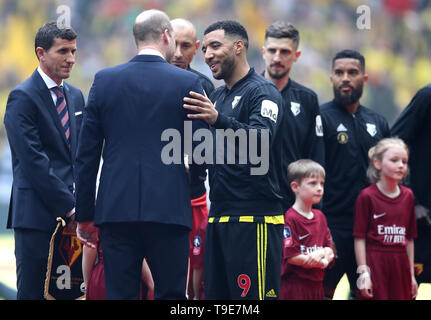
45	95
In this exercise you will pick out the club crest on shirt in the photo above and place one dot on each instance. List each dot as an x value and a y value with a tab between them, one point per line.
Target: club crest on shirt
287	242
372	129
295	107
197	245
235	101
342	138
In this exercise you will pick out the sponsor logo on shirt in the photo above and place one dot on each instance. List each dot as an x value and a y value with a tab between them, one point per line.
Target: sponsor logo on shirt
304	236
342	138
376	216
271	294
269	110
319	126
341	128
392	234
307	250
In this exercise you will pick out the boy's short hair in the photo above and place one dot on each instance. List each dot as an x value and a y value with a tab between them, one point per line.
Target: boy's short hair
304	168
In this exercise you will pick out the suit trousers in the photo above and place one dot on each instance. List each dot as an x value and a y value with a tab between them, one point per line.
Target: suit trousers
126	244
31	252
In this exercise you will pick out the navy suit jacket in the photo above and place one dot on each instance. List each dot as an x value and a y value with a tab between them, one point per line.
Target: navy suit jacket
43	166
129	107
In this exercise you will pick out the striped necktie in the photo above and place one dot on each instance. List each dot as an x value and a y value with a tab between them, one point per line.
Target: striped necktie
63	112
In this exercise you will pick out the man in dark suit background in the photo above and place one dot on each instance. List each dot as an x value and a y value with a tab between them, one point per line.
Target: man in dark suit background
143	205
42	120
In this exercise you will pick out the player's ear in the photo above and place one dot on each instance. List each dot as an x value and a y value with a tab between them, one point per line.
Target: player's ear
197	44
239	46
365	77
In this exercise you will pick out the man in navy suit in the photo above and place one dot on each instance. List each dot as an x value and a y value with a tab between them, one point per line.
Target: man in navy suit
143	205
42	120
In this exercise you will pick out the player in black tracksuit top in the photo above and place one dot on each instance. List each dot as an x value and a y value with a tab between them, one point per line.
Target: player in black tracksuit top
350	130
303	133
245	228
233	190
414	127
242	202
348	137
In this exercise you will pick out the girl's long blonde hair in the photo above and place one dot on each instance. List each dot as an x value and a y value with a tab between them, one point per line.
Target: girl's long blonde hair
376	153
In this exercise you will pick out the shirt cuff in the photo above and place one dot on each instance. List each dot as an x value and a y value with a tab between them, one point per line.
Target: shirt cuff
70	213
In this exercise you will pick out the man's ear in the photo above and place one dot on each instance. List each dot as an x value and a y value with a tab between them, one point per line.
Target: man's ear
239	46
40	52
165	36
297	54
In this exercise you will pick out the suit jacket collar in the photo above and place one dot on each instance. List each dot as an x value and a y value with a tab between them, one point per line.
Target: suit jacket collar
147	58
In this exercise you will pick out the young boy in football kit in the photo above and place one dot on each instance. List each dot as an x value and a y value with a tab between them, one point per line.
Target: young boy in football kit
307	240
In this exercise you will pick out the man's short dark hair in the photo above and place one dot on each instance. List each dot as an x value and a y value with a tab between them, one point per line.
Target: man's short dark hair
282	29
352	54
152	27
48	32
231	28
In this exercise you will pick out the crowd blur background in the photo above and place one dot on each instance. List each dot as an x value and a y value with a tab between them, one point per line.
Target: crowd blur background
396	45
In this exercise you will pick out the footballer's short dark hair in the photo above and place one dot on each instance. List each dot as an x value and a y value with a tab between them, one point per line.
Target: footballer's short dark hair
231	28
353	54
282	29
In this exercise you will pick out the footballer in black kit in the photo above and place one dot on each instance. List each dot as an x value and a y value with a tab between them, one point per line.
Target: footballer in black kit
303	132
252	103
246	206
245	227
350	131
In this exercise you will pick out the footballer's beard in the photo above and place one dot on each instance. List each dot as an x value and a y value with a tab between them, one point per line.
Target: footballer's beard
350	98
275	74
226	68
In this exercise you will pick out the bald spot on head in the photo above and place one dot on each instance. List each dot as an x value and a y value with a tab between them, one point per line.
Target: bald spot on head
183	25
149	26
